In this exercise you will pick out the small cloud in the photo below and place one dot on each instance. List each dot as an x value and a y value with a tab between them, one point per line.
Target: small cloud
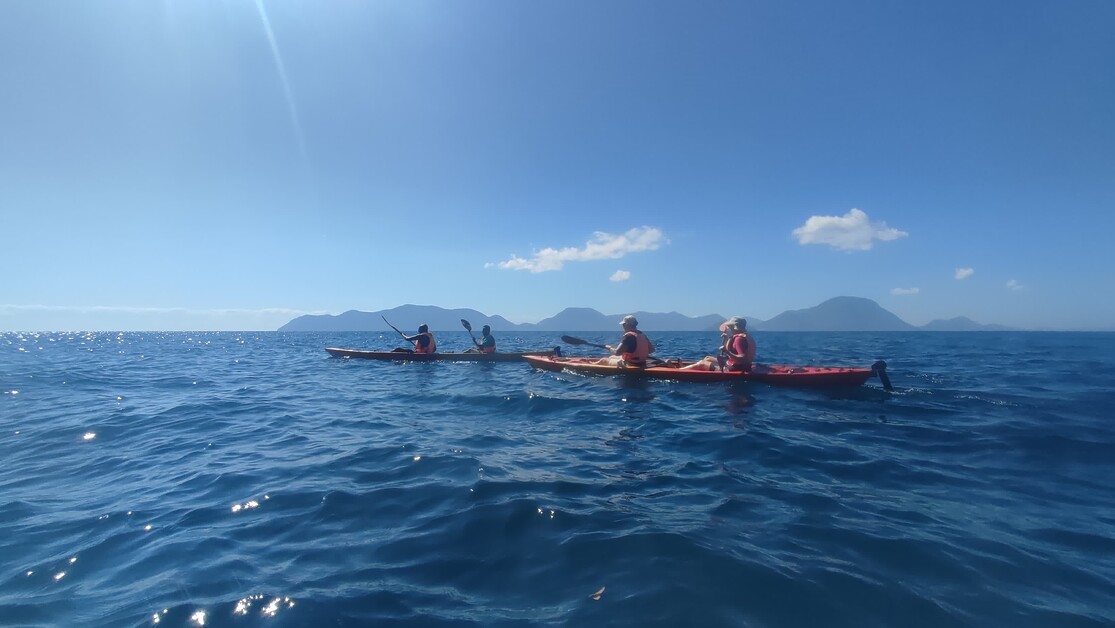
898	292
602	246
964	273
850	232
620	275
1013	284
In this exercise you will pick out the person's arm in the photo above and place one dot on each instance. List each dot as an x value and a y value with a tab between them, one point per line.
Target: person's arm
623	344
627	345
731	346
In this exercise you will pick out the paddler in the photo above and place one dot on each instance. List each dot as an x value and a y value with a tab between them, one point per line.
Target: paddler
633	349
737	348
487	342
423	341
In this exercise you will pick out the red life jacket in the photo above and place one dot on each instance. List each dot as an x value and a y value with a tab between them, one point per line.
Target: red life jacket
642	349
743	344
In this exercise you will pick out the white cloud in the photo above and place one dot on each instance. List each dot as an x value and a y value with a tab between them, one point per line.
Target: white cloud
620	275
964	273
850	232
898	292
1013	284
602	246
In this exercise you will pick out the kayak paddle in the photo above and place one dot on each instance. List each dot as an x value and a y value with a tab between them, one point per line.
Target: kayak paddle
467	325
393	327
577	341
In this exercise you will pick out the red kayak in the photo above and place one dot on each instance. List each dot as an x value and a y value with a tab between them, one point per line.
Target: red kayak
800	376
400	356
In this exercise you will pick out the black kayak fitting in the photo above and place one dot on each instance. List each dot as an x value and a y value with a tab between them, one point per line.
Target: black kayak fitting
879	368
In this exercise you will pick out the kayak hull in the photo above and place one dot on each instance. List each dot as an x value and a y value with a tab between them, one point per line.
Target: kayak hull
778	375
400	356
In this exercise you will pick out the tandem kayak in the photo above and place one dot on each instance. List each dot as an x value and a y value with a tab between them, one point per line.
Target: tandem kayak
800	376
432	357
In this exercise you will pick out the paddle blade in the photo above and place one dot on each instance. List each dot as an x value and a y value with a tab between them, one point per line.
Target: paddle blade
573	341
467	325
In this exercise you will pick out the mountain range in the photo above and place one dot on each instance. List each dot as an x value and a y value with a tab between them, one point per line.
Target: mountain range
836	314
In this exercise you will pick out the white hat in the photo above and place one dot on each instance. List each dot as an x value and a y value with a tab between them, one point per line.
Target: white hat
630	320
735	321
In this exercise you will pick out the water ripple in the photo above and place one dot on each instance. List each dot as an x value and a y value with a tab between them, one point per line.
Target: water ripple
172	479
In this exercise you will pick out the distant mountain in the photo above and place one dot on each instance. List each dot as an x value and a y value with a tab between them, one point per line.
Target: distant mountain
588	319
961	323
577	319
405	317
838	314
409	317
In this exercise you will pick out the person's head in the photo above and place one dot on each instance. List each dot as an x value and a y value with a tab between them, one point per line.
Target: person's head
629	322
734	324
486	330
423	328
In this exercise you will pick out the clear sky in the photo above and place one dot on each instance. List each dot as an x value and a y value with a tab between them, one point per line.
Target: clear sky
231	164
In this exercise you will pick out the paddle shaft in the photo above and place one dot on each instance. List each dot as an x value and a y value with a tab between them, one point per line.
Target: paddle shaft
467	325
577	341
393	327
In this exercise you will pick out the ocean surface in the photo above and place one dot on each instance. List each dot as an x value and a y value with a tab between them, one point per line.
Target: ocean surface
249	479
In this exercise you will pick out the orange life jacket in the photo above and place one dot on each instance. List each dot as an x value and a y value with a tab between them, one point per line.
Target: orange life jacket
489	349
430	348
642	349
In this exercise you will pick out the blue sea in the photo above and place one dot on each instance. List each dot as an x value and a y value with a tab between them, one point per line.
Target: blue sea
249	479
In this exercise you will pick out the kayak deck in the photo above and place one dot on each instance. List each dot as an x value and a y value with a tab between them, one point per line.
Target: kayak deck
775	375
400	356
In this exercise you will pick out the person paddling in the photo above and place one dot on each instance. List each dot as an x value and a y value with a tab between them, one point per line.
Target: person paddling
737	348
487	342
423	341
633	349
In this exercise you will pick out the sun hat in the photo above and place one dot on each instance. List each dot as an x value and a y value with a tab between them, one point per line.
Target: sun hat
735	321
630	320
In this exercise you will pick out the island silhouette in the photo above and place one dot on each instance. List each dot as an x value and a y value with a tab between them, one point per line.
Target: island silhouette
836	314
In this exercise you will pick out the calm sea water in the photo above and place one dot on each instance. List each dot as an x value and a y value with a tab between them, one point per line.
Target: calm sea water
248	479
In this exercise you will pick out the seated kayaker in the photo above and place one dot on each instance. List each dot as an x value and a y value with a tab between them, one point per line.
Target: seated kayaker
633	349
423	341
487	342
737	349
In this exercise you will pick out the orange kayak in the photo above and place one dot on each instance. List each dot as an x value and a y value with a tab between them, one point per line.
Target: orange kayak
775	375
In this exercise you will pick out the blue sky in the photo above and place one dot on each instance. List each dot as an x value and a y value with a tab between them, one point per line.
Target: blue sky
231	164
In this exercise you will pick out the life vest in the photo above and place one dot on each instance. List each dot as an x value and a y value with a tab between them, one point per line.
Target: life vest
642	349
744	344
487	348
430	348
